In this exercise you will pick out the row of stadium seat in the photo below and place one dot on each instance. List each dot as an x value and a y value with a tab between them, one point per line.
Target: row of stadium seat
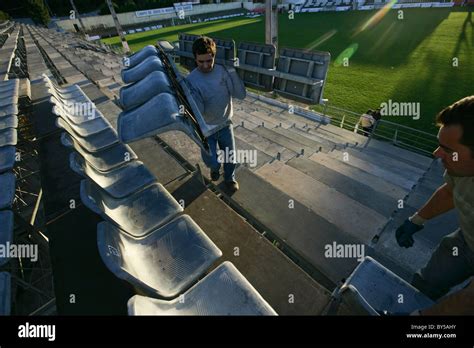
327	3
145	239
9	92
7	52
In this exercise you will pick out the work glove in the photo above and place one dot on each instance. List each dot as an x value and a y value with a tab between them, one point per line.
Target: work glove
405	232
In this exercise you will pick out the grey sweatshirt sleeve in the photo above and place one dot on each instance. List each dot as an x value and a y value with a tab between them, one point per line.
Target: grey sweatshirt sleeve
235	84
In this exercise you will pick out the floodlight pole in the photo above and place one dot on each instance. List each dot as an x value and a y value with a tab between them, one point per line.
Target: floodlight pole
78	16
118	27
271	23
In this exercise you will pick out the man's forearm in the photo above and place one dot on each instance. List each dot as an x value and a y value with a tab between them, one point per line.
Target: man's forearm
440	202
237	84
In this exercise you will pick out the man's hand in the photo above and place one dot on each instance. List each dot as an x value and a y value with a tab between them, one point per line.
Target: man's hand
405	232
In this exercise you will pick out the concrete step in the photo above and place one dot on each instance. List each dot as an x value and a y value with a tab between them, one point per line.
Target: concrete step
345	133
262	158
263	144
377	183
322	132
328	145
187	148
164	167
362	193
399	153
269	120
421	162
255	119
300	138
302	230
389	163
345	213
375	169
266	107
284	141
238	119
273	274
283	116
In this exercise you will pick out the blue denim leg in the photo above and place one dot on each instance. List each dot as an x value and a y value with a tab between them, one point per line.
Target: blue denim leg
211	159
225	139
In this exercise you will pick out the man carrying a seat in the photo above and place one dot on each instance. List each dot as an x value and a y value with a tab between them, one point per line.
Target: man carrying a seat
213	87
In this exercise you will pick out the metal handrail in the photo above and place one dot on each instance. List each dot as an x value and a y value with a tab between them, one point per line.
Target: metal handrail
399	135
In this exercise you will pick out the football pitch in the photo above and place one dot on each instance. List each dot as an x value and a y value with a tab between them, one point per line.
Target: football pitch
421	56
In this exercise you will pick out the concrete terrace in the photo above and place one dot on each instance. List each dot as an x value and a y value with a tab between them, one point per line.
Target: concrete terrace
313	186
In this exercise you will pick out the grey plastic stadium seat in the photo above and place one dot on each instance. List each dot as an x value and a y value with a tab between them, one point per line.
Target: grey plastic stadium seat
83	125
76	95
141	70
9	110
7	190
10	86
378	289
137	214
54	85
160	114
8	137
7	99
140	92
8	93
93	143
141	55
163	263
166	46
118	183
7	158
10	121
105	160
5	293
6	231
224	291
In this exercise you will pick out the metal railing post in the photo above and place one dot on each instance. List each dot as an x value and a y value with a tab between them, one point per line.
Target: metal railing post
394	140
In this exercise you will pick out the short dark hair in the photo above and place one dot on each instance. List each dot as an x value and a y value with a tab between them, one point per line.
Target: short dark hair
460	113
204	45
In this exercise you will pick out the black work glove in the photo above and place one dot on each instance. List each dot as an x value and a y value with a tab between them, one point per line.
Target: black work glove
405	232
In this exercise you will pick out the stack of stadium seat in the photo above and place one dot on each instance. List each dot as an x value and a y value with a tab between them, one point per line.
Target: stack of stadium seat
9	91
151	106
144	238
7	52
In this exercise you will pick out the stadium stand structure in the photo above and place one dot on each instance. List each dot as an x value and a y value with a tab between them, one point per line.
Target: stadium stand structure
342	190
103	31
345	5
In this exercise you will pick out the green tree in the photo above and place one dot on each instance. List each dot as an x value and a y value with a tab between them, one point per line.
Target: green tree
38	12
4	16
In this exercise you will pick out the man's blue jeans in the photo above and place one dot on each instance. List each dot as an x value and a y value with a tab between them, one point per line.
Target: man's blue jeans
224	139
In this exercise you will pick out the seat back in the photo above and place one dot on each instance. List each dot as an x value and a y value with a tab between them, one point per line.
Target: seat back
224	291
164	262
384	290
143	90
137	214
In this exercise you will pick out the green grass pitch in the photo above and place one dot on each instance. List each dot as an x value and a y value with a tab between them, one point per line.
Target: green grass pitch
412	59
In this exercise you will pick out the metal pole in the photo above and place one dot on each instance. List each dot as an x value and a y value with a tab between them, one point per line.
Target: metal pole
271	23
78	16
118	27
